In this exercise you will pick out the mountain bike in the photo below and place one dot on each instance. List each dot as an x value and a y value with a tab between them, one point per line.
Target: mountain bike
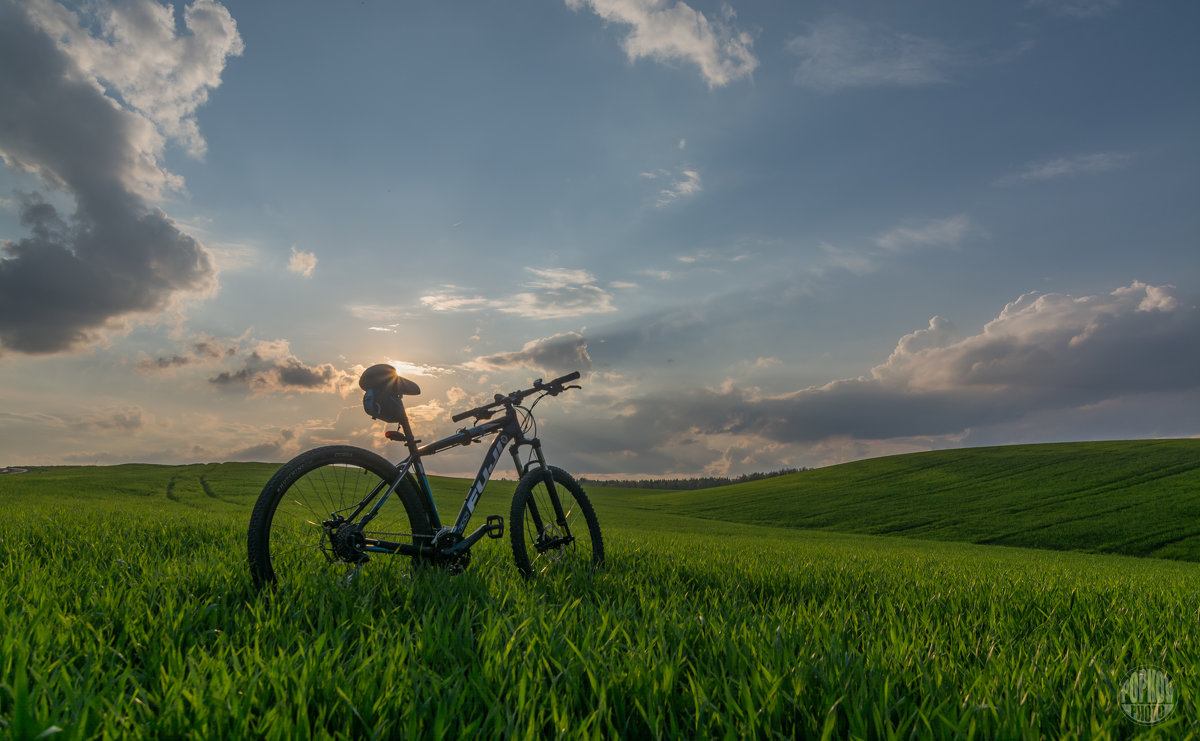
338	508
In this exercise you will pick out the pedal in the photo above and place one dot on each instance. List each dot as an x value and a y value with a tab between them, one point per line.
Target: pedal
495	526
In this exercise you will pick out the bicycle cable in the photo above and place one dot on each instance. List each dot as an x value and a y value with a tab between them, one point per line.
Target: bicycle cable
529	424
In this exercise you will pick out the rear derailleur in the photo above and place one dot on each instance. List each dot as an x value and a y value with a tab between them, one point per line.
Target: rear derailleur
346	541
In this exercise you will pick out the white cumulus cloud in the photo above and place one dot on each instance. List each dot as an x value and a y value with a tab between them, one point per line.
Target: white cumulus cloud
669	31
137	51
302	263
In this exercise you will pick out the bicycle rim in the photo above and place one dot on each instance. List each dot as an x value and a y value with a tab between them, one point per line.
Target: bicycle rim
538	541
305	545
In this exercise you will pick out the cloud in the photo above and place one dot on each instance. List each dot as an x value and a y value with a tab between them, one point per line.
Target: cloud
205	351
302	263
378	313
1083	164
945	233
666	32
556	293
554	277
126	419
116	257
551	355
845	258
158	72
838	53
560	294
683	184
449	300
1041	353
659	274
230	257
936	233
407	369
272	368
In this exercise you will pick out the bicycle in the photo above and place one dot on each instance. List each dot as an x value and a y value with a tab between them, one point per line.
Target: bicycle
325	509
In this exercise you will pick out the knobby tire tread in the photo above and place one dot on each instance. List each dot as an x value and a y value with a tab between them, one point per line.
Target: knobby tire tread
521	497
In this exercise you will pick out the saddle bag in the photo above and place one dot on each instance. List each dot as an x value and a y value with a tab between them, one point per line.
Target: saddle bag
383	389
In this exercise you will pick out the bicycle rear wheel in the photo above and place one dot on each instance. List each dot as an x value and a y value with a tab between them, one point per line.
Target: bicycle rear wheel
305	525
540	542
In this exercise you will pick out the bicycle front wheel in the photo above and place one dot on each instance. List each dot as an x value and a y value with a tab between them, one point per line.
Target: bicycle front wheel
546	538
308	521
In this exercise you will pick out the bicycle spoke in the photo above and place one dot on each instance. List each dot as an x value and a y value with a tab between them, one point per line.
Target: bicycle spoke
541	543
297	534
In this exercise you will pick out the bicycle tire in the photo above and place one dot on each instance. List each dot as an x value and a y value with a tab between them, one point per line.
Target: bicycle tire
531	504
286	528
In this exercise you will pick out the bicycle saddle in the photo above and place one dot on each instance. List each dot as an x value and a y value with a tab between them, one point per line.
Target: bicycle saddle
383	378
384	387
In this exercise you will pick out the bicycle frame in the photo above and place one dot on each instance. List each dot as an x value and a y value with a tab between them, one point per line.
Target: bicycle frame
508	434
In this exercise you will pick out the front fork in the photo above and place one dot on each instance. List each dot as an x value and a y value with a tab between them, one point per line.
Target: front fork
548	477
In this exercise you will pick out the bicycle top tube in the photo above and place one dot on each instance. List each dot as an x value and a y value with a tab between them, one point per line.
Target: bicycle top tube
464	437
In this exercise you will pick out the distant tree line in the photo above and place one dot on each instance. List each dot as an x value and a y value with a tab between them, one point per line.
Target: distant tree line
701	482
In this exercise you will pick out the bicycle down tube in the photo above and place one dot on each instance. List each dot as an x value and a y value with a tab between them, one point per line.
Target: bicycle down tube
485	473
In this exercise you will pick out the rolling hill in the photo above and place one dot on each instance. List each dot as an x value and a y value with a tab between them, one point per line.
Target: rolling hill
1137	498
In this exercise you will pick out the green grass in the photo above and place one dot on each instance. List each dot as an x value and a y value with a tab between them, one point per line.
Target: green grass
1134	497
128	613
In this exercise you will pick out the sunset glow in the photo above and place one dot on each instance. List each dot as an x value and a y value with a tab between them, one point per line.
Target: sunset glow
769	235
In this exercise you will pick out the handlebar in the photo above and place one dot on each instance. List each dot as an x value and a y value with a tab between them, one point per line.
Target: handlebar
553	388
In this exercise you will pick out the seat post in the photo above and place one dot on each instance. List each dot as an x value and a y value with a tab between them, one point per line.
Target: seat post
410	440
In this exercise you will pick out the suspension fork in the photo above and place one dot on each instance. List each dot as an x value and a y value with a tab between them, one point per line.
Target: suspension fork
559	516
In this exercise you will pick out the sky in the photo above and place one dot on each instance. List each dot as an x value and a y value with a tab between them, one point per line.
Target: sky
768	234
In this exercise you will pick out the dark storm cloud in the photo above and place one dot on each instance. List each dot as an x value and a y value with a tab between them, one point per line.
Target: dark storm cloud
115	256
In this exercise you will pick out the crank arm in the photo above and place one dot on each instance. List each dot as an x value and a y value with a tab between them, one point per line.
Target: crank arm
475	537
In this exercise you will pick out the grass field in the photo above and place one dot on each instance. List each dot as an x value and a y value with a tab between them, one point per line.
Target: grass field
1138	498
128	613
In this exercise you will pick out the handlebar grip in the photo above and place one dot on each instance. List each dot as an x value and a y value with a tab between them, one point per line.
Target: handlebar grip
476	412
516	397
